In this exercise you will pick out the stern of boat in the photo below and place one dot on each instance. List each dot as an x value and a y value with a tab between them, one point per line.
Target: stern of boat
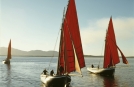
55	81
108	72
6	61
102	71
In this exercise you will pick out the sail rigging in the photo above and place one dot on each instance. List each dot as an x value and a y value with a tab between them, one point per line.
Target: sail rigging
111	56
70	50
70	44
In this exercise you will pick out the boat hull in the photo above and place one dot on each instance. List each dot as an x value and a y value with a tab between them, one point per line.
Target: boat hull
55	81
103	71
6	61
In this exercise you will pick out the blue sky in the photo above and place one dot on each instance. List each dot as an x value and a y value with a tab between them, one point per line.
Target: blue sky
34	24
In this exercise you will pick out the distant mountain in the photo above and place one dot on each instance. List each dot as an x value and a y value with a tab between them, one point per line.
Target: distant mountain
16	52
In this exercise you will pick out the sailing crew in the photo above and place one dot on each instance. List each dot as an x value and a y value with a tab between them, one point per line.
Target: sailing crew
52	73
109	66
61	70
92	66
45	71
98	66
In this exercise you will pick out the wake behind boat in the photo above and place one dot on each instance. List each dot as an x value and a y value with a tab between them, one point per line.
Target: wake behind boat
70	57
7	60
111	57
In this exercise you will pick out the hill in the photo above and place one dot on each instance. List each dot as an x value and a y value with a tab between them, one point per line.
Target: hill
17	52
34	53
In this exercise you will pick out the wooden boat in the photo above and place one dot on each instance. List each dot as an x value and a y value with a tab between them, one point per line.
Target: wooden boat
111	57
70	50
102	71
7	60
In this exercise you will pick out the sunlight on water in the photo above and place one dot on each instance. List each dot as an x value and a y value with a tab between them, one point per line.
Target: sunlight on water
25	72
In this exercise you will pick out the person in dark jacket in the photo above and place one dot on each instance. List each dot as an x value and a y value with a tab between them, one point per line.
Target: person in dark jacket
61	70
52	73
92	66
45	71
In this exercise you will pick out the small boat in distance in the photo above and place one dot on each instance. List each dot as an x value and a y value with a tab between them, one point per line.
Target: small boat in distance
111	57
71	56
7	60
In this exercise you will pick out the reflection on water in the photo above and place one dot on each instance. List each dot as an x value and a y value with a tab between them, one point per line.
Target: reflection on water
104	81
8	67
25	72
8	75
43	85
110	81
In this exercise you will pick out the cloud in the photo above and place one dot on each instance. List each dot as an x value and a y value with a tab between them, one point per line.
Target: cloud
95	32
124	28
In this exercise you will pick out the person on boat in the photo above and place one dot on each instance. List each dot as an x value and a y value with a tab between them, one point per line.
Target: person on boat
98	66
109	66
52	73
67	74
92	66
45	71
61	70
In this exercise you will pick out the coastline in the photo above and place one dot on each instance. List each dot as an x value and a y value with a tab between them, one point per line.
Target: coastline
88	56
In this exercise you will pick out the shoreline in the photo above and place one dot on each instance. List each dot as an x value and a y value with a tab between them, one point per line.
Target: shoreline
57	56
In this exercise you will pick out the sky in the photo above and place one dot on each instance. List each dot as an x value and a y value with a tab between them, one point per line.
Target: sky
35	24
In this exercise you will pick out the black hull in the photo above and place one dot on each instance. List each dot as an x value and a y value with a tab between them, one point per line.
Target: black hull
103	72
108	72
6	61
56	81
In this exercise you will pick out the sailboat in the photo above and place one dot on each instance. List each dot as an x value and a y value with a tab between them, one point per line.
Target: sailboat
70	50
7	60
111	57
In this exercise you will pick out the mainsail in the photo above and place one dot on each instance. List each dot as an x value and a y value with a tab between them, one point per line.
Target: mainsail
71	52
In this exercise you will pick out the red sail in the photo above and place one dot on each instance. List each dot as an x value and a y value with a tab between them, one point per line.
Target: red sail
73	26
72	40
123	57
107	55
69	49
111	54
61	53
9	51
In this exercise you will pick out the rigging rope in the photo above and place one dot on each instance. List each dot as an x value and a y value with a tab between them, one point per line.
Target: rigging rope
57	37
102	50
101	54
53	50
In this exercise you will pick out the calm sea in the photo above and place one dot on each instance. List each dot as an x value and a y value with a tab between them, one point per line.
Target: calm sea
25	72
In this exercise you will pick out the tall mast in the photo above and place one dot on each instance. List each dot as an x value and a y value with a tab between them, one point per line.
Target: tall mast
61	39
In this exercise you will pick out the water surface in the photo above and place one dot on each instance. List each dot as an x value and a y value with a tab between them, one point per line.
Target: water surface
25	72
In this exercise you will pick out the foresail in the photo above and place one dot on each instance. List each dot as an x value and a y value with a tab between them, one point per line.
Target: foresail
77	66
111	53
9	51
123	57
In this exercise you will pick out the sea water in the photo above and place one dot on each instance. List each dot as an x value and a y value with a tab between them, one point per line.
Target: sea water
25	72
